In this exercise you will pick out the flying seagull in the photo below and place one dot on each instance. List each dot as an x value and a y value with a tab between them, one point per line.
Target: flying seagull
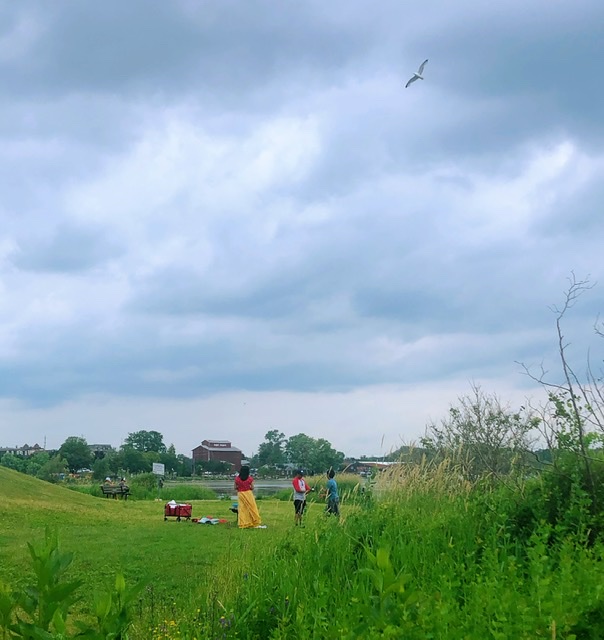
418	74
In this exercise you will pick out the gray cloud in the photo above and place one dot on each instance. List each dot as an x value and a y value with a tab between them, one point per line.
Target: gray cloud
68	249
242	197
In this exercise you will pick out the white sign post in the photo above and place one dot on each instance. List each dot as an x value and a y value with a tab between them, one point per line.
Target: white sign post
159	471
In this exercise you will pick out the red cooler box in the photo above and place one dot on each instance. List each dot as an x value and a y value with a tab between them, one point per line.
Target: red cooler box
178	511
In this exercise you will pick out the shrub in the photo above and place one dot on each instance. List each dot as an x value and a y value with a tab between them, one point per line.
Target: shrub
561	496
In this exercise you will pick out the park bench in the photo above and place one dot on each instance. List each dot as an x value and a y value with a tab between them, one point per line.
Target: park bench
115	491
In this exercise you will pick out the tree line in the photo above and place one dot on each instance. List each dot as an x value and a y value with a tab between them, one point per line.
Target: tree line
277	452
142	448
136	455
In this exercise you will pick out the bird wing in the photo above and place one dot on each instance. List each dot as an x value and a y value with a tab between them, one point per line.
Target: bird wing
410	81
421	67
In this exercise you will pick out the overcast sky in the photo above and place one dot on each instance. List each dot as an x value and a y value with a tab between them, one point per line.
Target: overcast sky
220	218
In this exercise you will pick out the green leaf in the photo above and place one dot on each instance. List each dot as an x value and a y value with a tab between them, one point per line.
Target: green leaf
58	622
383	559
120	583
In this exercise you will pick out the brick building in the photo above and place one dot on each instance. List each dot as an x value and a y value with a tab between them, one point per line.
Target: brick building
219	451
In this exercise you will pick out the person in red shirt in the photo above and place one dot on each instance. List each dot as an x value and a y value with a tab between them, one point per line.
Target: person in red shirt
300	491
248	516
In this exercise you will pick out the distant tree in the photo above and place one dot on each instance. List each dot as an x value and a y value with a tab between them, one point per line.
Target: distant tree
268	471
299	450
77	453
185	465
54	469
271	451
100	468
134	461
482	436
114	461
146	441
214	466
35	462
170	460
12	461
151	457
324	456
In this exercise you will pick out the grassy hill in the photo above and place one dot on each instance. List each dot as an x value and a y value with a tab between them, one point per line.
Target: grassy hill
109	536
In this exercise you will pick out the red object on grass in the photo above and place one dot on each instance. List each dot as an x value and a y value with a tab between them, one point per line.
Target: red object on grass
177	511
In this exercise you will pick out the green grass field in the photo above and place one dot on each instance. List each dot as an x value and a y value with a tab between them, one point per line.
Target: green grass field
183	561
424	555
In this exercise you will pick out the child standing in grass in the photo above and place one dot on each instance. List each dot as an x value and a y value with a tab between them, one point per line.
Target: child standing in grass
333	499
300	491
248	516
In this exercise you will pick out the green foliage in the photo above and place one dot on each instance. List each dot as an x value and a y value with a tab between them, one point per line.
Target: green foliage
36	462
100	469
268	471
53	470
560	496
41	611
144	487
420	565
426	557
11	461
145	441
142	483
481	436
214	466
313	455
271	451
352	489
133	461
174	464
76	453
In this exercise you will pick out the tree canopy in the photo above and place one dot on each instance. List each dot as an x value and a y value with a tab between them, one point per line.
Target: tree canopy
145	441
301	450
76	453
271	451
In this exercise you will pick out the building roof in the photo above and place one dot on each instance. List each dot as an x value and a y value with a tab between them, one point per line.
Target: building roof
209	447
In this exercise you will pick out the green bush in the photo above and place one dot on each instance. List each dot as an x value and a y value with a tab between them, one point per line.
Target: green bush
562	497
141	488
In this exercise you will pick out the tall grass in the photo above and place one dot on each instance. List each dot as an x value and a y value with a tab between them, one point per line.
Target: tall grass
351	487
430	557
